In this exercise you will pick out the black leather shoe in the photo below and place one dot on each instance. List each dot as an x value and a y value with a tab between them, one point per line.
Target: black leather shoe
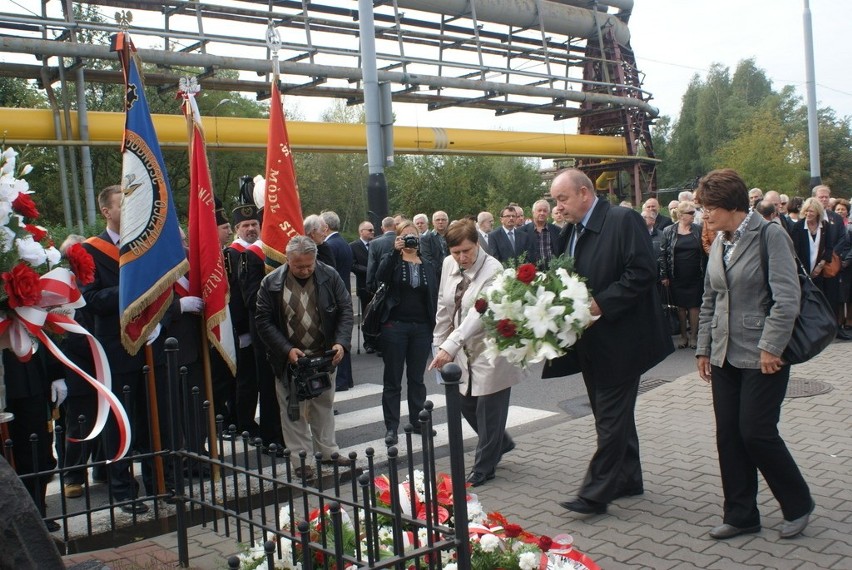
391	437
476	478
52	526
506	449
584	506
134	508
724	531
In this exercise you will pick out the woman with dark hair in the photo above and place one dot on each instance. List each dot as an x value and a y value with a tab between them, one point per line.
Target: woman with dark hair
460	337
745	323
407	323
681	263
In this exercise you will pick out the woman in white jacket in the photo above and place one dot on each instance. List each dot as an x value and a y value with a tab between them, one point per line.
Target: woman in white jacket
460	338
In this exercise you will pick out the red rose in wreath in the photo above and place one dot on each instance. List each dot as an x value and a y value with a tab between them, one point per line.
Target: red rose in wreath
38	232
526	273
545	542
513	530
22	286
506	328
81	262
480	305
25	206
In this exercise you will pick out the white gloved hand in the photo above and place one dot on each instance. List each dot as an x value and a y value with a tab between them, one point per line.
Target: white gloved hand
245	340
58	391
154	334
191	304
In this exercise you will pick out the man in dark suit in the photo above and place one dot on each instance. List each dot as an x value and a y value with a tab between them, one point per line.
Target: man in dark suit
102	305
378	247
662	220
508	242
360	257
612	251
246	223
343	263
544	240
839	237
433	246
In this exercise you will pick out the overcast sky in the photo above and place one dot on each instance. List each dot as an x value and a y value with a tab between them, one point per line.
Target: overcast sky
675	39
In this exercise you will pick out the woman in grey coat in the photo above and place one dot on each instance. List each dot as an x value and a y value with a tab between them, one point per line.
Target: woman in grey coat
745	323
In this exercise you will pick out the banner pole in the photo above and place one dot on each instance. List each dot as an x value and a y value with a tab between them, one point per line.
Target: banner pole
154	413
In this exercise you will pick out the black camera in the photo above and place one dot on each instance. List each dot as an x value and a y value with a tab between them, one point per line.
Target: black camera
309	377
411	241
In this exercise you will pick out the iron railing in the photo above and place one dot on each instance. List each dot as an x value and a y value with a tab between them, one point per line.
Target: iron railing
266	495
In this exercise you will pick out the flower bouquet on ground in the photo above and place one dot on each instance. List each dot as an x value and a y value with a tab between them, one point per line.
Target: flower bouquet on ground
534	315
494	542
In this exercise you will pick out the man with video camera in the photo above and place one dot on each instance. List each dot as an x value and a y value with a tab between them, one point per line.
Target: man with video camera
304	316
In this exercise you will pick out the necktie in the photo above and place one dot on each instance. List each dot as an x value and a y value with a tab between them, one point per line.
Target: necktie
512	238
578	231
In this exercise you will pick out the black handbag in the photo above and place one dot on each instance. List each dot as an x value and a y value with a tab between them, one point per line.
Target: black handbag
670	312
816	326
371	320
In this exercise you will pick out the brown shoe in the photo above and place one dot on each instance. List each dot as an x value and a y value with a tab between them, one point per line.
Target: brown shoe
340	462
307	474
73	491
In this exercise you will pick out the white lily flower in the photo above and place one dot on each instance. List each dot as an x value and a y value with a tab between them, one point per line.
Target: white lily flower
31	251
543	314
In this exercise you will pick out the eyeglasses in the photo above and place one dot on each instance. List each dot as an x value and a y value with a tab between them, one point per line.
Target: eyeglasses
691	213
368	230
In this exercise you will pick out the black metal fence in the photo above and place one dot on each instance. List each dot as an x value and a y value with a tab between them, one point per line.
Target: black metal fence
281	505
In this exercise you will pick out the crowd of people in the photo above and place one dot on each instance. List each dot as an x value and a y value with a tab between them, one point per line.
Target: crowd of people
701	259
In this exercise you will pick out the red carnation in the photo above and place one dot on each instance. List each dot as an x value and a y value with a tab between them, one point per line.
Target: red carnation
22	286
506	328
81	262
513	530
480	305
544	543
37	232
25	206
526	273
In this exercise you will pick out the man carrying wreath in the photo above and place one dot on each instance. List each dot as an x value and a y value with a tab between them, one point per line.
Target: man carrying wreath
612	251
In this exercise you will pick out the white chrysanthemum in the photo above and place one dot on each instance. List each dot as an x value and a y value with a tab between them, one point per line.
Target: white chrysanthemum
53	256
31	251
7	239
542	314
489	543
5	212
528	561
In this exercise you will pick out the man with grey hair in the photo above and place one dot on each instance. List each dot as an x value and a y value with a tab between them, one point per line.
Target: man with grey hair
316	229
304	310
484	224
755	195
421	222
543	239
378	247
774	198
783	204
433	246
342	254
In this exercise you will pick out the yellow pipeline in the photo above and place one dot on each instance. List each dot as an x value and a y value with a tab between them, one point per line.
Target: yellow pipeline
35	127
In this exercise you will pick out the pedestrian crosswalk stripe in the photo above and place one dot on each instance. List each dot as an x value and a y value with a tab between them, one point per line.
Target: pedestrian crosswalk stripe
368	416
358	391
518	415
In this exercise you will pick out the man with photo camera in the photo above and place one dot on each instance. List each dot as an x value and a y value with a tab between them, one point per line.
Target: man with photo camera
304	313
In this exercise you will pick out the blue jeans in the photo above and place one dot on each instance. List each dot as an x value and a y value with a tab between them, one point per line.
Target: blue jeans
404	345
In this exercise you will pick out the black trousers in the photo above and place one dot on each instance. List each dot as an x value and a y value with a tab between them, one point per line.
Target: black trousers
747	405
487	416
615	466
77	453
246	391
31	418
405	346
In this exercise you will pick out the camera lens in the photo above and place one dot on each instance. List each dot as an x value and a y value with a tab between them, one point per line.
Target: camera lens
411	241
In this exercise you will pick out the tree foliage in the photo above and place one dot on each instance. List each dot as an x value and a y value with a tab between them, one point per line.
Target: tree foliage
739	121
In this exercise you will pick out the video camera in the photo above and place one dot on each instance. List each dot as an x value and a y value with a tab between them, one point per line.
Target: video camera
309	377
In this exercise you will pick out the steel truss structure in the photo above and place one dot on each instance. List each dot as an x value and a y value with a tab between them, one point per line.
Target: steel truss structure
570	59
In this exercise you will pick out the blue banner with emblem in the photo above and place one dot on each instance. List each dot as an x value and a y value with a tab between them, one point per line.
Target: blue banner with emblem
151	253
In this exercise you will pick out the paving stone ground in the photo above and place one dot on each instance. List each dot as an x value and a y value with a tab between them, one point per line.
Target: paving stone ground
667	526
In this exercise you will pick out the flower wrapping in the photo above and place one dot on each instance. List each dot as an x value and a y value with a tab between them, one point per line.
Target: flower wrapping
534	315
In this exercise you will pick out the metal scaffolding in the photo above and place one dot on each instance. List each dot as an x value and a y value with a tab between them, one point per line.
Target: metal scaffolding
569	59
